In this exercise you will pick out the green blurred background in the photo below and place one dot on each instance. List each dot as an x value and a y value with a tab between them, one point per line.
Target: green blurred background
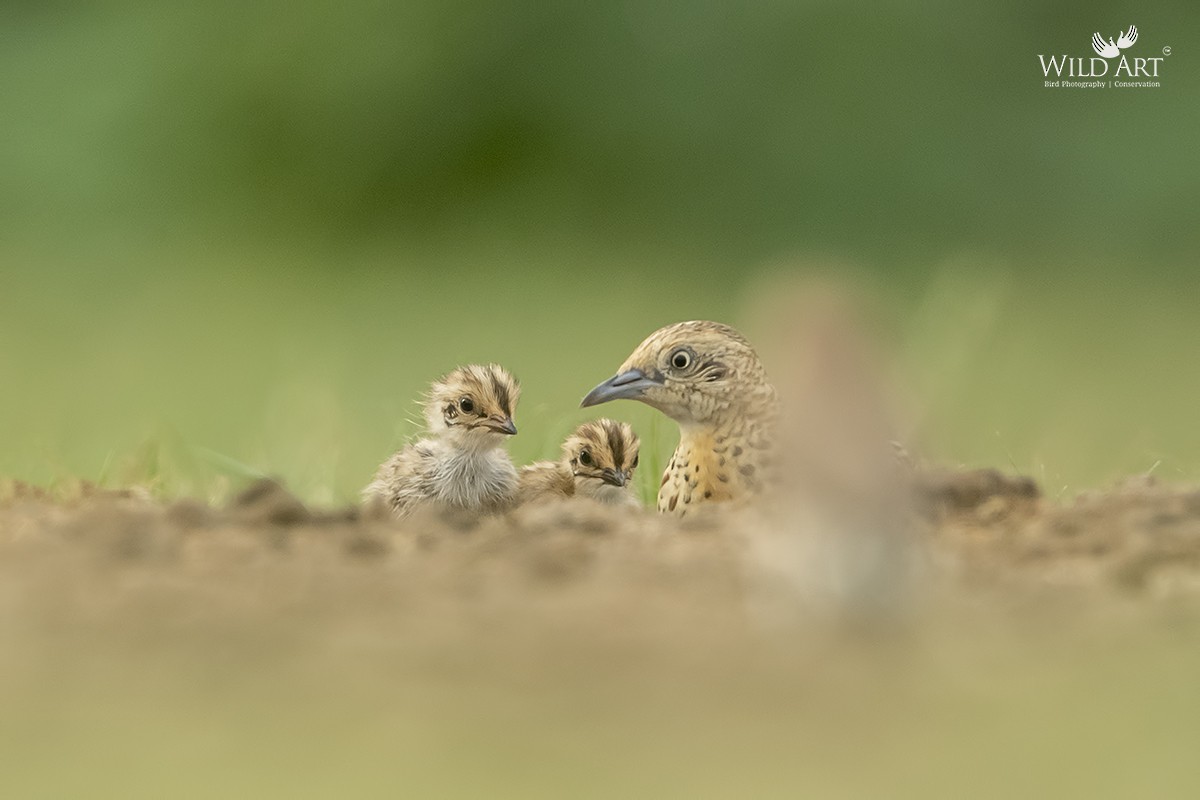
242	238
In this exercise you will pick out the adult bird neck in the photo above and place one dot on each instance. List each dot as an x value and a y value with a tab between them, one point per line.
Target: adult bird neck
714	463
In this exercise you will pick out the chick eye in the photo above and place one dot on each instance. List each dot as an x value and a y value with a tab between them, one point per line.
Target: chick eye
466	405
635	461
585	458
681	359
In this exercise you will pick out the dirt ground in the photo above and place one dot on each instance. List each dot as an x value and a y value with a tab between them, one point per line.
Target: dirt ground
996	642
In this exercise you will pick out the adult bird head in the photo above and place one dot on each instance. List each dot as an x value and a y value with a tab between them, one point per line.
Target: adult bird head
697	373
474	404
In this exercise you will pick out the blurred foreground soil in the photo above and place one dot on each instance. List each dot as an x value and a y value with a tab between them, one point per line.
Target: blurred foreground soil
153	649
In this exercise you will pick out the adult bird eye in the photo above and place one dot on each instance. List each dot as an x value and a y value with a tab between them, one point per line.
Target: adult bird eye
682	359
466	405
585	458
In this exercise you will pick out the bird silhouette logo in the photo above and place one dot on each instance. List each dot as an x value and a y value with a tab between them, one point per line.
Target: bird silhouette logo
1110	48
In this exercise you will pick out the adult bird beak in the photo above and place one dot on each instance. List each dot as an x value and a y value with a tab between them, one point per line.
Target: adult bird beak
614	477
501	425
629	385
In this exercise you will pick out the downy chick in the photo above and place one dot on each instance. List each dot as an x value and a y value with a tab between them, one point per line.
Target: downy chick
462	464
598	462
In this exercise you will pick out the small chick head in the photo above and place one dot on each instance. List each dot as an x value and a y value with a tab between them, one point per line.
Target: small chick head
474	404
694	372
602	455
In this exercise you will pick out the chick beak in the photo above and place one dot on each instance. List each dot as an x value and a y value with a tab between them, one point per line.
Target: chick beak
629	385
614	477
501	425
